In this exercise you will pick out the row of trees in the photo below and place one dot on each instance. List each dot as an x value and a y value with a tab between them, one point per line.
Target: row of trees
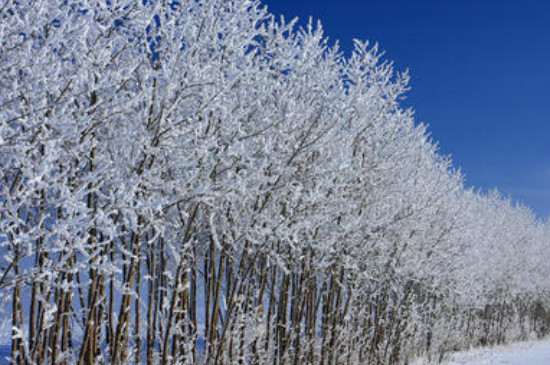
196	182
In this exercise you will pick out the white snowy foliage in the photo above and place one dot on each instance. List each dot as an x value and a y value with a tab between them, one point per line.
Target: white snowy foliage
198	182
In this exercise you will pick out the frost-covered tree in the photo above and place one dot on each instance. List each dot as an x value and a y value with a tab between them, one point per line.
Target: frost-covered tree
197	182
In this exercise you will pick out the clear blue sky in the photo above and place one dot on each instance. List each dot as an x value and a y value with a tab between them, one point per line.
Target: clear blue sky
480	78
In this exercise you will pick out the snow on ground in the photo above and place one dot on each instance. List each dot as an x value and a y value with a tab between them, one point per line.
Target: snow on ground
521	353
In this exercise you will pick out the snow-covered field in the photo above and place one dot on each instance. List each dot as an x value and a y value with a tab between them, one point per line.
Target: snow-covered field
521	353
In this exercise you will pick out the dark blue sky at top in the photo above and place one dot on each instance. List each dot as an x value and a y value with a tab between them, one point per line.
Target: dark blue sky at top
480	78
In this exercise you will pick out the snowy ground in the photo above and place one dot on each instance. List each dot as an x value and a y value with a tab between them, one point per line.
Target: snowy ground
522	353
